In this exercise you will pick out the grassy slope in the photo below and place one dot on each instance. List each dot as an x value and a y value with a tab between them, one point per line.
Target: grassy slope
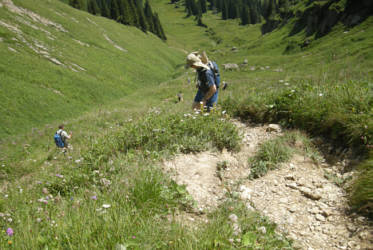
29	82
325	88
138	217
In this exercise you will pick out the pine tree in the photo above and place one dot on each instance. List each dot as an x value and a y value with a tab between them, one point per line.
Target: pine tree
142	20
158	27
93	7
105	12
149	15
224	10
134	15
244	15
114	10
188	7
203	5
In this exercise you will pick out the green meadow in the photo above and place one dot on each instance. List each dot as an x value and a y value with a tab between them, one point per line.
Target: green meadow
115	88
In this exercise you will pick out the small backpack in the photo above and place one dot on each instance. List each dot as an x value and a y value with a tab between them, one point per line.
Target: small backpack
58	140
215	69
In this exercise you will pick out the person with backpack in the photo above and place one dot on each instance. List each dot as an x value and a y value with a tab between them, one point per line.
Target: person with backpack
61	137
208	80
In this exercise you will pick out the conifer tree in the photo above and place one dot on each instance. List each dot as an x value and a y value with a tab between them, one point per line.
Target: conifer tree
114	10
142	20
133	13
105	12
158	27
93	7
224	10
203	5
149	15
244	15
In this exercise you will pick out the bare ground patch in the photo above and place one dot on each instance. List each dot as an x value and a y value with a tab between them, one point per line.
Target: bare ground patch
308	207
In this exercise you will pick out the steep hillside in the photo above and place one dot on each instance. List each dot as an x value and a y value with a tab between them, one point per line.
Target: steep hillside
58	62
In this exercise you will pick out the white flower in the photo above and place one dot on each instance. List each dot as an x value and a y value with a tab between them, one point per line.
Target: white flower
206	114
321	94
281	81
106	205
293	90
38	220
223	112
77	161
286	84
10	219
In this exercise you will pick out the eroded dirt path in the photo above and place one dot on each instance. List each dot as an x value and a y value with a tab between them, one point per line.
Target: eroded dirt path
308	208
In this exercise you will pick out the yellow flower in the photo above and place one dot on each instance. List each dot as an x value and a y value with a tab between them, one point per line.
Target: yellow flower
10	242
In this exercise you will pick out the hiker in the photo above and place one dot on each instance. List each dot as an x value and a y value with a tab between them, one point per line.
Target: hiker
61	137
207	94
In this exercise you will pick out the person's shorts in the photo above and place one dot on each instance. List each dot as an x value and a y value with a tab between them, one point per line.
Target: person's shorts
210	102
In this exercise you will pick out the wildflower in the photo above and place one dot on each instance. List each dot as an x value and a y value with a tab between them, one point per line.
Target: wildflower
9	231
6	196
133	237
38	220
10	220
206	114
94	197
2	214
106	205
59	175
231	241
10	242
286	84
77	161
321	94
293	90
281	81
223	112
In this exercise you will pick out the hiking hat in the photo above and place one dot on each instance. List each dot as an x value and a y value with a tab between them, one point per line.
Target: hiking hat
193	59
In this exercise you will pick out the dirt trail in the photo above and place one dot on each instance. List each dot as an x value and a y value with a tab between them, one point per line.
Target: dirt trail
307	207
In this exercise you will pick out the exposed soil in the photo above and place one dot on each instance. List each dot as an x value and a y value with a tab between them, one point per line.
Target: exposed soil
307	207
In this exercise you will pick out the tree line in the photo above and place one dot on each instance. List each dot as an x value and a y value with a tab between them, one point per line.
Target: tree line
127	12
249	11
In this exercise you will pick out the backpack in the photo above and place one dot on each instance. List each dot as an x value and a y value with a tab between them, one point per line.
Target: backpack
58	140
215	69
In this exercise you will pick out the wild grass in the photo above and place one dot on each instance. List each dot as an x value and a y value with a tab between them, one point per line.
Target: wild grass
280	150
361	192
120	197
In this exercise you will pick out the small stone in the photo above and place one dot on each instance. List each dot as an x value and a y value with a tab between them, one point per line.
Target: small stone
292	185
292	209
233	218
351	227
363	235
314	210
249	207
262	229
289	177
284	200
310	194
319	217
274	128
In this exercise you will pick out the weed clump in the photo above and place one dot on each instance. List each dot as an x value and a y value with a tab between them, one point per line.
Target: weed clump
270	154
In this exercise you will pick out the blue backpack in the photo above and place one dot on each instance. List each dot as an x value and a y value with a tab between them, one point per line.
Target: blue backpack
58	140
215	69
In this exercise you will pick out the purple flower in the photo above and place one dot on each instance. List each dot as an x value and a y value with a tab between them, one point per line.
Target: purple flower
94	197
133	237
59	175
9	231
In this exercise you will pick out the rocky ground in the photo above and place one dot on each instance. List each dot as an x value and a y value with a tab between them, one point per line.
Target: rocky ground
302	197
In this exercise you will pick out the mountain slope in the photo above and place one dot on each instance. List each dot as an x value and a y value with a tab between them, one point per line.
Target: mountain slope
58	62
